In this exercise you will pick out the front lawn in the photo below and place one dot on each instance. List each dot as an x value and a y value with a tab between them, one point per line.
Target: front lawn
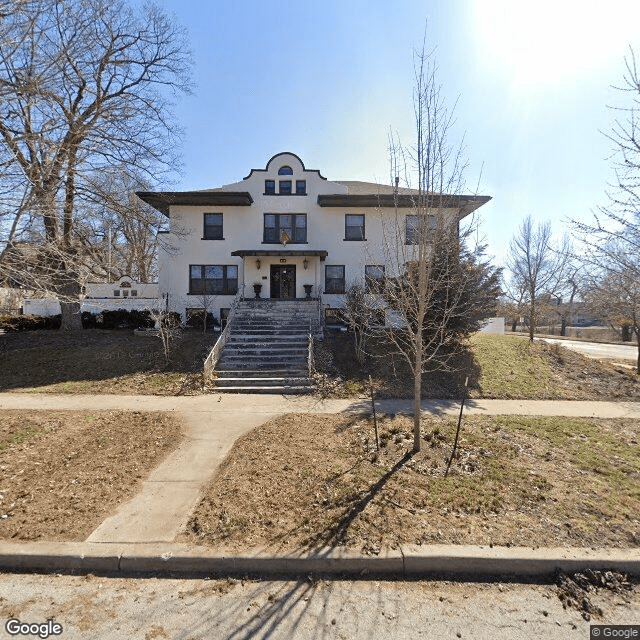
301	482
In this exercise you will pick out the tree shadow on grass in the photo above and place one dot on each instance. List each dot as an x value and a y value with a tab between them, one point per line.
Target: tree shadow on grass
321	543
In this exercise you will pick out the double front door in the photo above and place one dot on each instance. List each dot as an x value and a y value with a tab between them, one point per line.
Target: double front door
283	281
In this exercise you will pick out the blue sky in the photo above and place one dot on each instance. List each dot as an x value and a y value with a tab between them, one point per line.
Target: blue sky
328	80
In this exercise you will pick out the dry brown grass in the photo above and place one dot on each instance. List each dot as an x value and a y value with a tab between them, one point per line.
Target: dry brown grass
302	482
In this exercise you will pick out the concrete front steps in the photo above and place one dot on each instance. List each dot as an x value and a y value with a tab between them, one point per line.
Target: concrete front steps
267	349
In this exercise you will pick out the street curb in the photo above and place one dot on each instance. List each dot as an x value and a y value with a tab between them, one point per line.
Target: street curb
408	562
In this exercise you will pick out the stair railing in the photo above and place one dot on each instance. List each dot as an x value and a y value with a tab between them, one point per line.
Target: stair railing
310	363
216	351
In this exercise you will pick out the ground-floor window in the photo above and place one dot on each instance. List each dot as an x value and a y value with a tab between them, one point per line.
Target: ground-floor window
213	279
334	279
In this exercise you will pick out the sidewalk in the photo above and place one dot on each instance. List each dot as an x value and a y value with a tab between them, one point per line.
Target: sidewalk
139	536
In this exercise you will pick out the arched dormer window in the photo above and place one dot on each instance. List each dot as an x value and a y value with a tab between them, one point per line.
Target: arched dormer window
285	171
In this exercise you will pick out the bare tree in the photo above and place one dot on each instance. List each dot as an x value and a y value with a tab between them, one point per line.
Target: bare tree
537	267
438	288
125	229
612	240
84	85
570	288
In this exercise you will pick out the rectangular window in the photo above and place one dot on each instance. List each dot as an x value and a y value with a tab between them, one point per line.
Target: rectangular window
354	227
301	187
334	279
291	227
414	224
134	293
205	279
212	226
269	187
373	277
284	188
116	293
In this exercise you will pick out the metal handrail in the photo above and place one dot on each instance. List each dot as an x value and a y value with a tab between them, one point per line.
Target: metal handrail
310	363
216	351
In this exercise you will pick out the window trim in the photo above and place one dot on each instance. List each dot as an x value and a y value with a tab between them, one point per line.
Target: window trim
346	226
226	291
343	279
215	226
278	231
430	224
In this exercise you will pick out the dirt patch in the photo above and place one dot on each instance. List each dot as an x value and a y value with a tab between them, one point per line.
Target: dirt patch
306	481
100	361
63	472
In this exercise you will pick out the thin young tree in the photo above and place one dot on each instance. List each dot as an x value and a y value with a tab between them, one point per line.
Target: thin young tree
439	287
84	85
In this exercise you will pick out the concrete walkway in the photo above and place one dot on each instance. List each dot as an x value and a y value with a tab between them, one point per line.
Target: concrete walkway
139	536
267	405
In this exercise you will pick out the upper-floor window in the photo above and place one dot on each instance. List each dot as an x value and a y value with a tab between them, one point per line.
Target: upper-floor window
285	171
334	278
269	187
373	277
285	228
284	187
212	226
213	279
416	226
354	227
301	187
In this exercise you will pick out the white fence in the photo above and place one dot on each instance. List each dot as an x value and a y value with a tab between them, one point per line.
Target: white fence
51	306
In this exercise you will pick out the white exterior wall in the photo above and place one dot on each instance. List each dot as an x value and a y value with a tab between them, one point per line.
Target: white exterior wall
243	228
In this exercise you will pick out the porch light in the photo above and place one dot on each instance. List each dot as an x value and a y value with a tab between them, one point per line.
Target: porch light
305	264
258	263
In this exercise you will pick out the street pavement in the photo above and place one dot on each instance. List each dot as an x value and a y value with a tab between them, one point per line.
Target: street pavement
597	350
93	607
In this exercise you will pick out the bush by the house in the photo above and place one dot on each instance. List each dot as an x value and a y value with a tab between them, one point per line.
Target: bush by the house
29	323
120	319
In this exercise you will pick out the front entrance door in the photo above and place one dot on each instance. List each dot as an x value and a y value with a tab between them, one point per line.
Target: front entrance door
283	281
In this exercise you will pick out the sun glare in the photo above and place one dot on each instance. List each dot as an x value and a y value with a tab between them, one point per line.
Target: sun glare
549	40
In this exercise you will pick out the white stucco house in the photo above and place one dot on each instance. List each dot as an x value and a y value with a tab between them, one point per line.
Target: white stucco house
285	229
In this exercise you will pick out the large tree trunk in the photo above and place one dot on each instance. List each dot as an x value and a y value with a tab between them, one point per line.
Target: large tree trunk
71	317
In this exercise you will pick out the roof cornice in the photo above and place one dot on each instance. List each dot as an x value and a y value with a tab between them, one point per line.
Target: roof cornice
162	200
466	204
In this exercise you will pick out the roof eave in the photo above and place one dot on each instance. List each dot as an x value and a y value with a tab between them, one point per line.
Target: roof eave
163	200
